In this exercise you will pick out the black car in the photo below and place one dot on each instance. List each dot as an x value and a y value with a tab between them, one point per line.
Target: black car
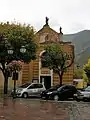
44	93
61	93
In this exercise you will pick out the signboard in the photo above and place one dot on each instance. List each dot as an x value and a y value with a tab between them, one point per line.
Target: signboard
45	71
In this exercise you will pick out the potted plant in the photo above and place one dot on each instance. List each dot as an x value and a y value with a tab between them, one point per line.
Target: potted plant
14	66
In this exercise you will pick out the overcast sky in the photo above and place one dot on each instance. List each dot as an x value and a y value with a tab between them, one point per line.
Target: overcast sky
71	15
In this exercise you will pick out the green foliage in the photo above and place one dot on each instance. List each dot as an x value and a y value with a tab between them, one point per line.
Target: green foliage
56	59
78	73
17	31
86	67
15	36
85	78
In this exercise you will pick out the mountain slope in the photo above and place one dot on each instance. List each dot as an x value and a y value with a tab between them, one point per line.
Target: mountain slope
81	41
84	56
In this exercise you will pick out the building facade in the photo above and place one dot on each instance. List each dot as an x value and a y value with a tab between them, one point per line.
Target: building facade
35	72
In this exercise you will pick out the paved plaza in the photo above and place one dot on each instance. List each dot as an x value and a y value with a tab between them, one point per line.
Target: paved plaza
34	109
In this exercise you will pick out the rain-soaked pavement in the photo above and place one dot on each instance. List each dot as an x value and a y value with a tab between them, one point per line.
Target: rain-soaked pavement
33	109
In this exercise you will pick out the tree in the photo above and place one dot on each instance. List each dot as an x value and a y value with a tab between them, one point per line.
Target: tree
85	78
86	68
14	36
57	59
78	73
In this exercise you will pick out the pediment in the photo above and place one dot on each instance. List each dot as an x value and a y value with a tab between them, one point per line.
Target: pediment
48	35
48	38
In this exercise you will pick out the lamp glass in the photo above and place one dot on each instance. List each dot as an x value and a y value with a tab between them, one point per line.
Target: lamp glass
22	49
10	51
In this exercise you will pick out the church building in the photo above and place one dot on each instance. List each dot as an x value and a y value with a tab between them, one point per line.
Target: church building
35	72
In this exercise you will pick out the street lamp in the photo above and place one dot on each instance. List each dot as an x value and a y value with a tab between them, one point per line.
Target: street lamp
10	51
15	74
22	49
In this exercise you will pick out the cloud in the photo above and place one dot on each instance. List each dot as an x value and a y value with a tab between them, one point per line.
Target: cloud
76	27
71	15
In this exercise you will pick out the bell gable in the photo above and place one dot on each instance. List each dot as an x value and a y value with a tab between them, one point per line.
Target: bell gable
48	35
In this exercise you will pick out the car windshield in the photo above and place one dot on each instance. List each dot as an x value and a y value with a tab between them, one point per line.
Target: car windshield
59	89
66	87
88	88
54	88
24	85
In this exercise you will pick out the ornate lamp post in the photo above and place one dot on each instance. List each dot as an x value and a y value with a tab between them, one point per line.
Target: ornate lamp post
15	74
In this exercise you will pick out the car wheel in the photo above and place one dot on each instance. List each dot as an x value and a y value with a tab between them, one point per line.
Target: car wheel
56	97
78	100
25	95
41	96
85	99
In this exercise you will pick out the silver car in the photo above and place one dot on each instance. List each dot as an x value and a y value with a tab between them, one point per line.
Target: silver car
29	89
84	94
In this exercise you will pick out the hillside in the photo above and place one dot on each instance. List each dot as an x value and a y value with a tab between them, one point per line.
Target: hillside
81	40
84	56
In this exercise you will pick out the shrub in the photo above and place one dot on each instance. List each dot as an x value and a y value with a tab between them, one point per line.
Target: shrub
78	73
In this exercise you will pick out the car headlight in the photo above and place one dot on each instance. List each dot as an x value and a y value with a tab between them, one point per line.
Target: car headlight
18	91
13	90
49	93
86	95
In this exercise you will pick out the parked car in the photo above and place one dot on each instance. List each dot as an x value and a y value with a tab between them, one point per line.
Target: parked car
29	89
62	93
83	94
53	88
